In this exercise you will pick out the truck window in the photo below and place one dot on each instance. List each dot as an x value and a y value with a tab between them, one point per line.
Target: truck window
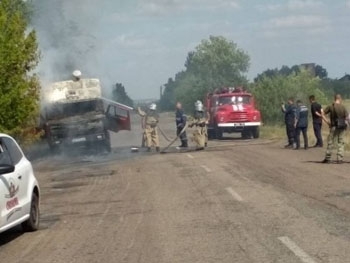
64	110
234	100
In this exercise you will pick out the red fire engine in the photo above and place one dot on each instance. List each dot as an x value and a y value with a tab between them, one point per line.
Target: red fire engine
232	110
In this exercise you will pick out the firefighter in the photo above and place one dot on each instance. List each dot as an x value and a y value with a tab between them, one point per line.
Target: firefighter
200	121
180	124
151	118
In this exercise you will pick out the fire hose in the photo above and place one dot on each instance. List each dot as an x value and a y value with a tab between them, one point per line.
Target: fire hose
174	140
164	135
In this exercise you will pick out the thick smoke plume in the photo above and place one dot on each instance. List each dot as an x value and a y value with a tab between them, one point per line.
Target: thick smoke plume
67	32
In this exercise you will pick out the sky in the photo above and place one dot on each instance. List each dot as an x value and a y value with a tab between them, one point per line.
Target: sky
142	43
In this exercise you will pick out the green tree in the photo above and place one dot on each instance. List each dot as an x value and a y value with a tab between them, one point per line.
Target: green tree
19	88
321	72
270	92
119	95
215	63
219	62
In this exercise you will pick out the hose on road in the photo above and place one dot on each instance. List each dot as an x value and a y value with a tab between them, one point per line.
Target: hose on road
174	140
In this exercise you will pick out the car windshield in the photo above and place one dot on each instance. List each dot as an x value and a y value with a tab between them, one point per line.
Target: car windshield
234	100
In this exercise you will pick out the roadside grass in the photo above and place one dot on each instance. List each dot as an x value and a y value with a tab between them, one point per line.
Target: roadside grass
279	132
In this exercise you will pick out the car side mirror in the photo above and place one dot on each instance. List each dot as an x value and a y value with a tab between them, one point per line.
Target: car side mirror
6	169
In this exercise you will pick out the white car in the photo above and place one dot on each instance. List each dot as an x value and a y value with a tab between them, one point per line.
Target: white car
19	189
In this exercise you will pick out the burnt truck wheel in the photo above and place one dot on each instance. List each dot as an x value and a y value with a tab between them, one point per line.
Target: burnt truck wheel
108	146
55	149
32	224
256	132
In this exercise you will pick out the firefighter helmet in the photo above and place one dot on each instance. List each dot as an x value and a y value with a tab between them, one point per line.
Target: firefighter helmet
76	74
153	106
198	105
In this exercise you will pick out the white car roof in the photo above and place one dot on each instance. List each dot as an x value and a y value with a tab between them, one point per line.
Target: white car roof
5	135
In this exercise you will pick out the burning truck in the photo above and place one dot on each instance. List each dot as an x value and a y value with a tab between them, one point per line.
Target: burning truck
74	113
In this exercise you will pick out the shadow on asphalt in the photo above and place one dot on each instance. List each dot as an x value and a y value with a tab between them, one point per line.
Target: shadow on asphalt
332	162
10	235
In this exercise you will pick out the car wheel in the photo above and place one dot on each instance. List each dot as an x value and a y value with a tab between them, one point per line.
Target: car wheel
32	224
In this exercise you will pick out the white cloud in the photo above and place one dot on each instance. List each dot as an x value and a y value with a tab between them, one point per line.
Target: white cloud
130	41
298	21
293	5
162	7
304	4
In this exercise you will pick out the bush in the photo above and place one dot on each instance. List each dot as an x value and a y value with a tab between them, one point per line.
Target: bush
270	92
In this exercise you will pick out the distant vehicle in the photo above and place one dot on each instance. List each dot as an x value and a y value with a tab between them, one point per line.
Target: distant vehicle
19	189
75	113
232	110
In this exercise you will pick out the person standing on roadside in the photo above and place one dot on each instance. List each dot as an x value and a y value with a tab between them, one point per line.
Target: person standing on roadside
338	121
316	111
301	123
289	118
181	120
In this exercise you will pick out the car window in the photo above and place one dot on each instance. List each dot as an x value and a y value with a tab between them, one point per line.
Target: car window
111	110
13	150
4	154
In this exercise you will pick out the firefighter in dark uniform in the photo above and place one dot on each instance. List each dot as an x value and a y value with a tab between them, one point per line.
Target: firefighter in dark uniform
301	123
181	120
316	111
289	118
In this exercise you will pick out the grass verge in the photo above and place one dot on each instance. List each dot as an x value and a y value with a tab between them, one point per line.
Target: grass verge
279	132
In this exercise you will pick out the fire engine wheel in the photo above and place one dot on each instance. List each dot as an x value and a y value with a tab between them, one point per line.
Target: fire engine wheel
246	134
256	132
211	134
218	133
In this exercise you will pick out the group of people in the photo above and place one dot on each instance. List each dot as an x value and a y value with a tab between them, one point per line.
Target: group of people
199	121
335	116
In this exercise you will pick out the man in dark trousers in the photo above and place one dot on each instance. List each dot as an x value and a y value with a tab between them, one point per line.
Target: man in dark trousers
316	111
338	122
289	118
301	122
181	120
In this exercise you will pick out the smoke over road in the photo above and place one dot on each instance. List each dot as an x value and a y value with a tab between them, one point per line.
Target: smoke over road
67	32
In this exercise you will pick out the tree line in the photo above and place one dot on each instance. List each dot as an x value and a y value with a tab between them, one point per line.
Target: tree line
219	62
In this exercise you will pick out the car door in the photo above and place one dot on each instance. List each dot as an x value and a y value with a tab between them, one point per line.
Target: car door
22	172
9	190
118	118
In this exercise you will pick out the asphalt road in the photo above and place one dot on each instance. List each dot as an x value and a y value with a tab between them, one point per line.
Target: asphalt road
238	201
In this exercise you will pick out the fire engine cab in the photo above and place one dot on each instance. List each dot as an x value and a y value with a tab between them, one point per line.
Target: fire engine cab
232	110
